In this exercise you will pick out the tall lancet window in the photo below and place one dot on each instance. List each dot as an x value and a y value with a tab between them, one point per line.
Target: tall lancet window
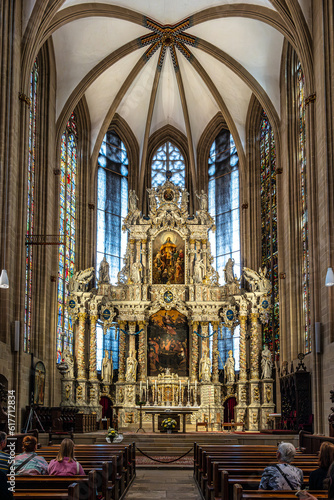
223	177
269	228
30	205
300	94
67	229
112	203
168	158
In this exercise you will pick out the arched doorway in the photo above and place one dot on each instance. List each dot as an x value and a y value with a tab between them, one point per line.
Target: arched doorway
229	405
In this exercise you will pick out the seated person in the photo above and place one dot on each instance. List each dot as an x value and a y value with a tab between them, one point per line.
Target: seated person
65	463
29	463
326	457
4	491
4	457
282	476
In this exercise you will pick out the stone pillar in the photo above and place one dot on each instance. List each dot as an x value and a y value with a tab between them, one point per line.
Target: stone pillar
142	367
121	368
215	378
92	351
194	358
81	346
242	342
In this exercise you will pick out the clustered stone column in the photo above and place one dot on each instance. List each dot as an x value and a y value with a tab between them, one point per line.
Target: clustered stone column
121	368
194	361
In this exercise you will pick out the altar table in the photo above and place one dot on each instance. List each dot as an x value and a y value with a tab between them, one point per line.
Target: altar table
170	413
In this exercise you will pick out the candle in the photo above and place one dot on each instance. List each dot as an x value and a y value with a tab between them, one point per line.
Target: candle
195	385
147	384
140	387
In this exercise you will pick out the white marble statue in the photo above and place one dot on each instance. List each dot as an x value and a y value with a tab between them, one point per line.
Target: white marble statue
136	272
229	368
68	359
266	363
199	270
205	367
107	368
133	198
184	199
131	367
228	271
152	198
104	276
203	200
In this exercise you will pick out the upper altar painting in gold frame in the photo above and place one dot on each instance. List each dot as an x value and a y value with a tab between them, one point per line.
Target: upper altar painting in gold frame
168	259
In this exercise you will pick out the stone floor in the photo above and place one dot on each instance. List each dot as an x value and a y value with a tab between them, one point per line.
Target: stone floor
162	483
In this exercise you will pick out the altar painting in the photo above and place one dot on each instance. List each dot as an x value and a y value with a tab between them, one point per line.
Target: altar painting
168	258
168	343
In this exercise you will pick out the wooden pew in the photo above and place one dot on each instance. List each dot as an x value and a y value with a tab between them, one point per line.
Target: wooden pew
72	493
240	494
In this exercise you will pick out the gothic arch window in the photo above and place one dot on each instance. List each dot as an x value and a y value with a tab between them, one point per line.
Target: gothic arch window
168	158
223	191
112	203
30	205
269	248
67	231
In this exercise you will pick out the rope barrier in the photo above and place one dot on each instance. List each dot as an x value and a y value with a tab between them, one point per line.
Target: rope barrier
205	336
163	461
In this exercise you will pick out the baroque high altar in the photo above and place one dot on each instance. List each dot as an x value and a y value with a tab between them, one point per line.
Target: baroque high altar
169	305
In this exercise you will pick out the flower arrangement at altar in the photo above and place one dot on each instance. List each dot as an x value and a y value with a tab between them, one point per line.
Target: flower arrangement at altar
169	423
111	435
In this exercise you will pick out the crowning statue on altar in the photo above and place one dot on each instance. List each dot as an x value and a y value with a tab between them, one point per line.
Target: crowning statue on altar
168	306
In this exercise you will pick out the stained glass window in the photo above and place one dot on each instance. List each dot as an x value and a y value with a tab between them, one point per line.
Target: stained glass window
107	341
30	205
223	177
303	207
67	218
112	203
269	228
168	158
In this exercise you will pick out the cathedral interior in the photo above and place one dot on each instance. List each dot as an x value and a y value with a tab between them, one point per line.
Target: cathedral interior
166	191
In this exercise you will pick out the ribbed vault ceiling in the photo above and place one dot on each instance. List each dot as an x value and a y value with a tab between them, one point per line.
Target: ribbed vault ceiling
175	62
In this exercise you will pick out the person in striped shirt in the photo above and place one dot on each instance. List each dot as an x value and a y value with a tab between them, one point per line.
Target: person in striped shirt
4	457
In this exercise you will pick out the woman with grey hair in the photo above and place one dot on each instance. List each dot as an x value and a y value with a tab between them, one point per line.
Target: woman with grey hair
283	475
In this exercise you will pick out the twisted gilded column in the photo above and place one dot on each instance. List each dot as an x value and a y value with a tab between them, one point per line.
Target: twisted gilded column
242	343
81	345
142	351
92	351
121	369
254	346
215	377
194	352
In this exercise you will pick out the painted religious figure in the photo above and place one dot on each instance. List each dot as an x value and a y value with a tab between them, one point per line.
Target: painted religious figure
168	343
168	258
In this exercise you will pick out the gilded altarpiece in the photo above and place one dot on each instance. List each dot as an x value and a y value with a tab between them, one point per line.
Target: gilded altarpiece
168	304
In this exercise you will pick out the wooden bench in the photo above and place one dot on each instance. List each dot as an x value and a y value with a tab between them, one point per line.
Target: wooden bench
240	494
